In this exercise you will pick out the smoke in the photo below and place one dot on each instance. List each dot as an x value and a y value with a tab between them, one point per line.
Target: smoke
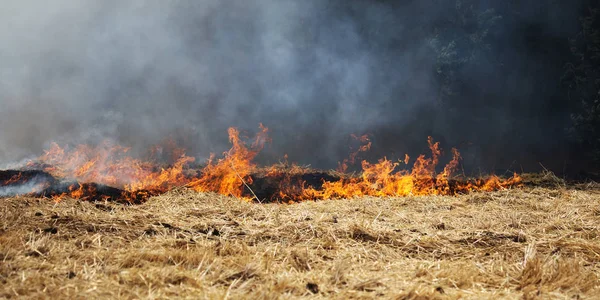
138	72
34	185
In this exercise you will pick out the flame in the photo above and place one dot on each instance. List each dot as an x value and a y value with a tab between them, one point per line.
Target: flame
229	175
111	165
383	179
14	179
366	146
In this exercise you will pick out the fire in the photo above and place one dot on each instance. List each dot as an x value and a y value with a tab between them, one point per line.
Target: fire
230	174
97	172
366	146
13	179
109	164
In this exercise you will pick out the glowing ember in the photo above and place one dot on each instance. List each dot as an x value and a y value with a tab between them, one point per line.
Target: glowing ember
107	171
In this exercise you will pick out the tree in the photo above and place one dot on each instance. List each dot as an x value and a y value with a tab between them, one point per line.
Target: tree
583	79
462	39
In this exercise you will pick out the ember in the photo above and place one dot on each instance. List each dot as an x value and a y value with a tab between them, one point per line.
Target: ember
107	172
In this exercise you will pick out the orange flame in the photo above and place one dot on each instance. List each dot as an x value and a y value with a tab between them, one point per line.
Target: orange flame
366	146
234	174
229	174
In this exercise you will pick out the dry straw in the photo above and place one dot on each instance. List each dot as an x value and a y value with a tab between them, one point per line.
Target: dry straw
535	242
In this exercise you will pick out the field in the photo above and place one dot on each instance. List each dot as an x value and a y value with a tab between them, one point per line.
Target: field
538	241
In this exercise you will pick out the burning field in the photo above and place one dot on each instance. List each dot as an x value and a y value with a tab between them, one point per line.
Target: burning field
93	221
107	172
417	149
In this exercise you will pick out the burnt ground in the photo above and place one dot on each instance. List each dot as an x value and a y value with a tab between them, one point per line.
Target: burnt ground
533	242
262	188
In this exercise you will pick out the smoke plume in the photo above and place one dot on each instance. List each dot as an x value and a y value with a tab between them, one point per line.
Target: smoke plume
137	72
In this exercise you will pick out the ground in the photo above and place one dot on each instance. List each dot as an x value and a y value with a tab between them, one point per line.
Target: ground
530	242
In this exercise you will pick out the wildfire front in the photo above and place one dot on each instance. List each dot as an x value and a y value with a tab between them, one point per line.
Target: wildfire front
107	172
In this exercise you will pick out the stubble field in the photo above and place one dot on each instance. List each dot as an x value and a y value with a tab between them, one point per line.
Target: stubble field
540	241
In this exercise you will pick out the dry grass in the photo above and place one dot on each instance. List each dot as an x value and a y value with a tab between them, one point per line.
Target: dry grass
525	243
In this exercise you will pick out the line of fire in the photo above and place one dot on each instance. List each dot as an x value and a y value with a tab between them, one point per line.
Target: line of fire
107	172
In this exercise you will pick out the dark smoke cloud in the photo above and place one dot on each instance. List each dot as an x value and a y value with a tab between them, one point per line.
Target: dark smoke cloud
137	72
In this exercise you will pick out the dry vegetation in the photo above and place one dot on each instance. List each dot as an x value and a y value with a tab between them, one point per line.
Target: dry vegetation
524	243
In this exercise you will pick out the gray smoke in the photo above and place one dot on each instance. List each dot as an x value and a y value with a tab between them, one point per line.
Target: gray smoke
137	72
35	185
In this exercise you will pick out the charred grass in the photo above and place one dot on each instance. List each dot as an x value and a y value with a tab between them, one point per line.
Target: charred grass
534	242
